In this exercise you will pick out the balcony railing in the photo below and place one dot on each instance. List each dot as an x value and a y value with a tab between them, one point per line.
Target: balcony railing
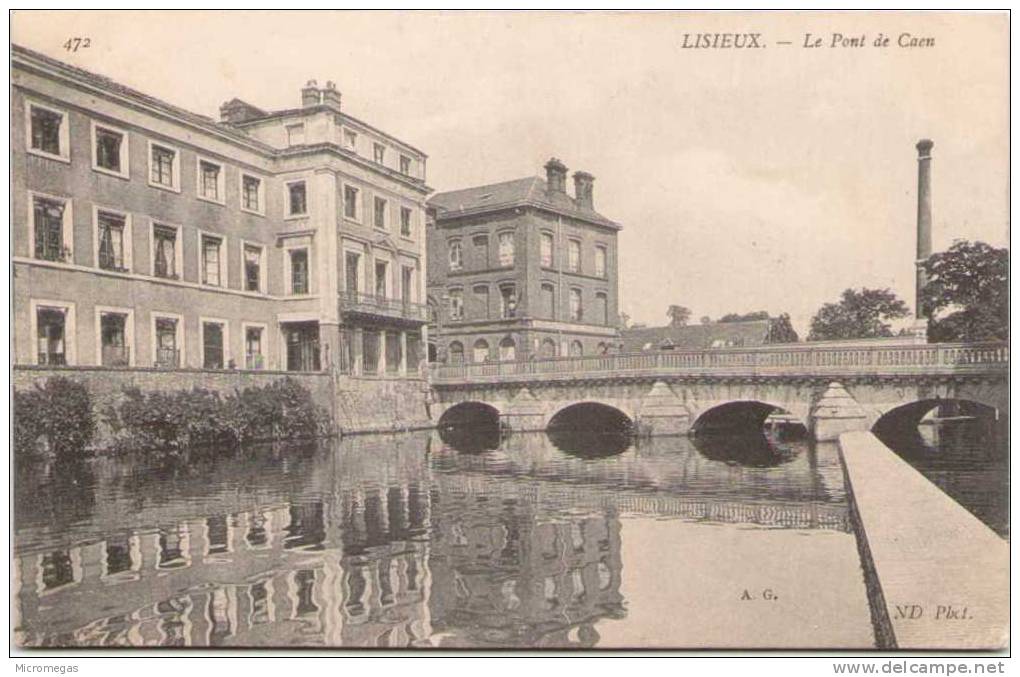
167	358
793	360
116	356
371	304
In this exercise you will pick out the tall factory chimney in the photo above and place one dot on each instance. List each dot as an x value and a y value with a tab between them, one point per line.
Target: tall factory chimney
924	147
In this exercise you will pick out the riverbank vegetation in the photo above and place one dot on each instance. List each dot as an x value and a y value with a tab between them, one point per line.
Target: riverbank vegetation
60	418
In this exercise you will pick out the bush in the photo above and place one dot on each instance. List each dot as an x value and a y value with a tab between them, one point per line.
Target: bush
58	412
186	418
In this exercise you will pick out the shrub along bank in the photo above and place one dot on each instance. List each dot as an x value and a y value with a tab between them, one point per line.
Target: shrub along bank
177	419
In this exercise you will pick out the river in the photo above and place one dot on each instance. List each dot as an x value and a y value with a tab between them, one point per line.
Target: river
412	541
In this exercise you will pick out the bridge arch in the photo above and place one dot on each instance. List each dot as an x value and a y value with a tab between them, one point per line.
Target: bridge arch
591	415
742	416
906	417
471	413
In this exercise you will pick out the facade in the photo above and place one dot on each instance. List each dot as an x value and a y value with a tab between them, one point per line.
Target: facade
148	236
521	269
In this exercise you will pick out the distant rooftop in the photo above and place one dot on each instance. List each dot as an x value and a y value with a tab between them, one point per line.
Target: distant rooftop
697	336
532	191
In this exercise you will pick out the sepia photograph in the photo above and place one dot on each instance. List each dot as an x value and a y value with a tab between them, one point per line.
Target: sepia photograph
510	331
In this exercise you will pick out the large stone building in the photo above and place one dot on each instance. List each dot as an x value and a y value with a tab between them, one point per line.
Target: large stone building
521	268
149	236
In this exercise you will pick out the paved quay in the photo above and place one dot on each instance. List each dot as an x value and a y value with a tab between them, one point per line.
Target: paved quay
943	574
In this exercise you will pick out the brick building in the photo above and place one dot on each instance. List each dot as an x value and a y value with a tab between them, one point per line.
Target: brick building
145	235
521	268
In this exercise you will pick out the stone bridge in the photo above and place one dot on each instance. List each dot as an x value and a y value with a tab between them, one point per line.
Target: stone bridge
830	389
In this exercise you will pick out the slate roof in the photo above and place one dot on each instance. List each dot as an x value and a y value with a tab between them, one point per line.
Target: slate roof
696	336
527	192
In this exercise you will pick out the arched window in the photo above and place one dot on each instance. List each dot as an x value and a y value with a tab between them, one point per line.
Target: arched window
507	350
603	348
548	301
602	308
481	352
576	311
456	351
576	349
456	255
548	348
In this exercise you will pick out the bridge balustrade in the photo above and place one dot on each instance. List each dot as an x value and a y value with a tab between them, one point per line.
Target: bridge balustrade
801	359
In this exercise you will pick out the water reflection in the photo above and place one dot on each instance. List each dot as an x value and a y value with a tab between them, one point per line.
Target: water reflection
377	541
750	449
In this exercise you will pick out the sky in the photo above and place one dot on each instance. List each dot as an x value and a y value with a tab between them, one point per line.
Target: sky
765	179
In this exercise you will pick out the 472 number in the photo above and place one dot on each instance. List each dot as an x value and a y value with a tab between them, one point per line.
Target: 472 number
74	44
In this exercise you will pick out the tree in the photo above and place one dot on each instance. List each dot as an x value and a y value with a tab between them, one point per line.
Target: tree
966	297
858	314
705	319
624	321
746	317
781	330
678	315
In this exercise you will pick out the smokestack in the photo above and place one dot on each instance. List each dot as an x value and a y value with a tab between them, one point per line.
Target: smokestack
583	189
331	96
556	176
924	147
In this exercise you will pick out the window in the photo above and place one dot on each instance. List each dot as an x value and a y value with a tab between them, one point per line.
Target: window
481	294
456	255
576	312
602	308
548	301
576	349
407	283
51	330
252	267
251	193
111	241
405	222
167	353
49	216
600	261
456	351
213	344
507	350
163	166
109	150
210	180
297	199
351	140
352	271
47	132
114	340
405	165
351	202
481	351
379	213
212	261
574	255
298	271
379	153
506	249
295	134
253	357
507	301
548	348
546	245
456	304
481	250
165	252
381	272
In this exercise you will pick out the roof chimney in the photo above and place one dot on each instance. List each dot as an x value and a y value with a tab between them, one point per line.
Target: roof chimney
235	112
310	95
924	147
583	184
556	176
331	96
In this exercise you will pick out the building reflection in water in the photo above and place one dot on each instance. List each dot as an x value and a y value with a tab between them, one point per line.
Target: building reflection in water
378	542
